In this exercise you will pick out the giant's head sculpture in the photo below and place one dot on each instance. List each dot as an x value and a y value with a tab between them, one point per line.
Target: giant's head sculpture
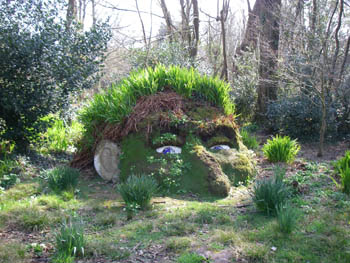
170	123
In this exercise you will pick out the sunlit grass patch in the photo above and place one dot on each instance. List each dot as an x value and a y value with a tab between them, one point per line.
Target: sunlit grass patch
178	244
13	251
227	237
27	218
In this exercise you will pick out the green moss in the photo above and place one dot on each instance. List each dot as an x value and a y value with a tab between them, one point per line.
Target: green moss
205	113
217	140
238	166
218	183
134	156
167	138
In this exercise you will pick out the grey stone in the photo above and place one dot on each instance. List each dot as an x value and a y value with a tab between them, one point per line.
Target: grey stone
106	160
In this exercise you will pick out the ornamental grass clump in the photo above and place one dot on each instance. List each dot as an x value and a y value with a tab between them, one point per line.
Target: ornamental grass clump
269	194
70	241
342	168
137	191
287	218
63	178
281	149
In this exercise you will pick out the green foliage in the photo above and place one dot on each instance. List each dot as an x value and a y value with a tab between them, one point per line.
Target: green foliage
342	168
170	172
12	251
165	138
62	178
287	218
43	63
60	137
118	101
298	117
70	241
192	258
270	194
249	140
137	191
342	163
281	149
8	177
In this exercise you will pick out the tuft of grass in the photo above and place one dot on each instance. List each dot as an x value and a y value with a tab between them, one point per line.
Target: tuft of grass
13	252
342	163
70	241
205	216
178	244
249	140
138	191
226	237
287	218
63	178
342	168
192	258
28	218
281	149
269	194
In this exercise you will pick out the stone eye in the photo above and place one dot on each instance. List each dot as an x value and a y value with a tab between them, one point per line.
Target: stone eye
169	150
220	147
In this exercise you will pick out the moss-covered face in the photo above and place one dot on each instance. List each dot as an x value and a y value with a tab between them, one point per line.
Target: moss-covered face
198	151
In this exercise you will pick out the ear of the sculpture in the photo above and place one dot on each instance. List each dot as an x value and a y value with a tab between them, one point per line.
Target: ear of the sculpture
106	160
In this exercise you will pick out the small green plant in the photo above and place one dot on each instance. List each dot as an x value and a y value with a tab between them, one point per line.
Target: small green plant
178	244
164	138
70	241
281	149
287	218
59	136
137	191
342	162
169	172
192	258
249	140
63	178
269	194
7	175
342	168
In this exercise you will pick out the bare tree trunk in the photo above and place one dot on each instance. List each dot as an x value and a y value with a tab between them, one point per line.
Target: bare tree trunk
71	13
194	49
269	21
168	20
142	25
93	6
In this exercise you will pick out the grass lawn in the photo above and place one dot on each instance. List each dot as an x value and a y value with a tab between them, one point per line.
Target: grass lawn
181	228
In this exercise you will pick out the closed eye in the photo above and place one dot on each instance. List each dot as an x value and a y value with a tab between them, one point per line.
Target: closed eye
169	149
220	147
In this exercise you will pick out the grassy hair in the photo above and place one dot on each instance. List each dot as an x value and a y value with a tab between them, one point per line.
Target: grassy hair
138	190
63	178
281	149
118	101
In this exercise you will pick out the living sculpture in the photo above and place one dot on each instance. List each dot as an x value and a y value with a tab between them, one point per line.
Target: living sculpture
170	123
